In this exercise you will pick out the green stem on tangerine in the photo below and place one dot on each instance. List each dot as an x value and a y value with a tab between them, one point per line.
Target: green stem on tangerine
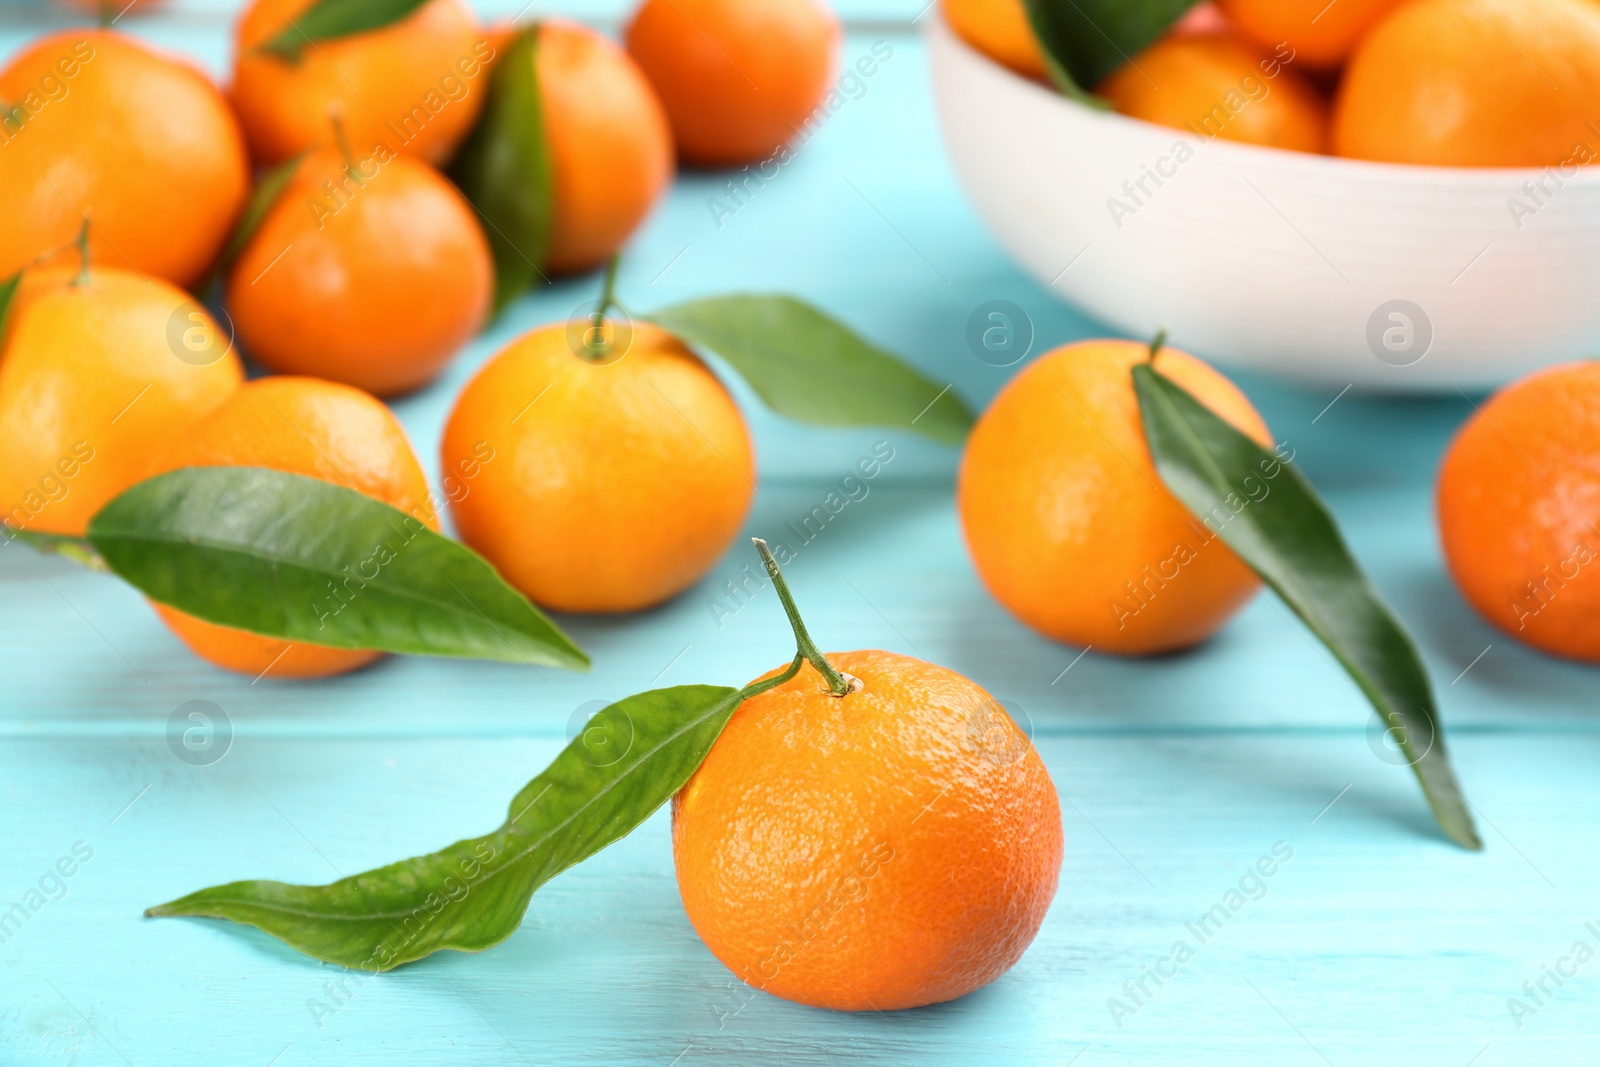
1157	342
839	683
82	242
755	689
608	289
595	344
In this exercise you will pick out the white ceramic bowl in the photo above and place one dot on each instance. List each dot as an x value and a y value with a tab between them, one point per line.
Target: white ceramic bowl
1330	271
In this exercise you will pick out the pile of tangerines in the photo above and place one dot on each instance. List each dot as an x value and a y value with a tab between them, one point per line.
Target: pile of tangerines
313	195
1466	83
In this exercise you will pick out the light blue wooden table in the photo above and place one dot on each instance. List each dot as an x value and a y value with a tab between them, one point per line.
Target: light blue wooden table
1378	942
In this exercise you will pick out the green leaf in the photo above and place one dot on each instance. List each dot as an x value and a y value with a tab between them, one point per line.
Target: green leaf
77	549
298	558
810	367
269	188
1285	533
1085	40
505	171
8	290
327	19
629	759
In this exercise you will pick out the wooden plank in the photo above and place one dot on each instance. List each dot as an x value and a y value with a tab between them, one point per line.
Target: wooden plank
1376	943
1375	940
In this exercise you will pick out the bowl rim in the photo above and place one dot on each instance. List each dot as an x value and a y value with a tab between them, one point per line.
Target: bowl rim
1308	162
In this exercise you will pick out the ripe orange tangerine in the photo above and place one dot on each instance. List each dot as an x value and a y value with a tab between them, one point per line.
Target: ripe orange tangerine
373	278
614	485
1318	33
1068	521
739	78
1000	30
890	848
144	146
1475	83
314	428
1519	510
610	144
1217	84
415	86
99	371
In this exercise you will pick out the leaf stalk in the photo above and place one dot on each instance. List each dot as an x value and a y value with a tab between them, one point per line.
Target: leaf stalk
839	683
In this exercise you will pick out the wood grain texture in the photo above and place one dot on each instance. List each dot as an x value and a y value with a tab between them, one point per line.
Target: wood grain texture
1376	943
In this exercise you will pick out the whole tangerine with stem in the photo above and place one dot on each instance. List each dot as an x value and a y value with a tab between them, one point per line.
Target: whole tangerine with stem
100	368
314	428
370	272
1475	83
1519	510
870	832
617	480
1000	30
1320	34
415	86
1217	84
609	142
1068	521
739	78
103	128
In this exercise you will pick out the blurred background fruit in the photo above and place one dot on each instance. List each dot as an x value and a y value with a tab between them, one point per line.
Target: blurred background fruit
415	86
739	78
1519	510
373	279
1067	519
615	485
1218	84
142	145
1320	34
610	146
1475	83
1000	30
98	372
303	426
894	847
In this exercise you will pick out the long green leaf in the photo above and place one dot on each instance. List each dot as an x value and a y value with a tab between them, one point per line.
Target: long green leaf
1286	534
297	558
8	291
810	367
327	19
1085	40
505	170
629	759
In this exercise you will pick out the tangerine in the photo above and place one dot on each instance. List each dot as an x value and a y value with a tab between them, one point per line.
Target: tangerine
1519	510
1475	83
889	848
1000	30
99	371
313	428
614	485
1217	84
739	78
97	126
371	273
414	86
1068	521
610	145
1319	34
